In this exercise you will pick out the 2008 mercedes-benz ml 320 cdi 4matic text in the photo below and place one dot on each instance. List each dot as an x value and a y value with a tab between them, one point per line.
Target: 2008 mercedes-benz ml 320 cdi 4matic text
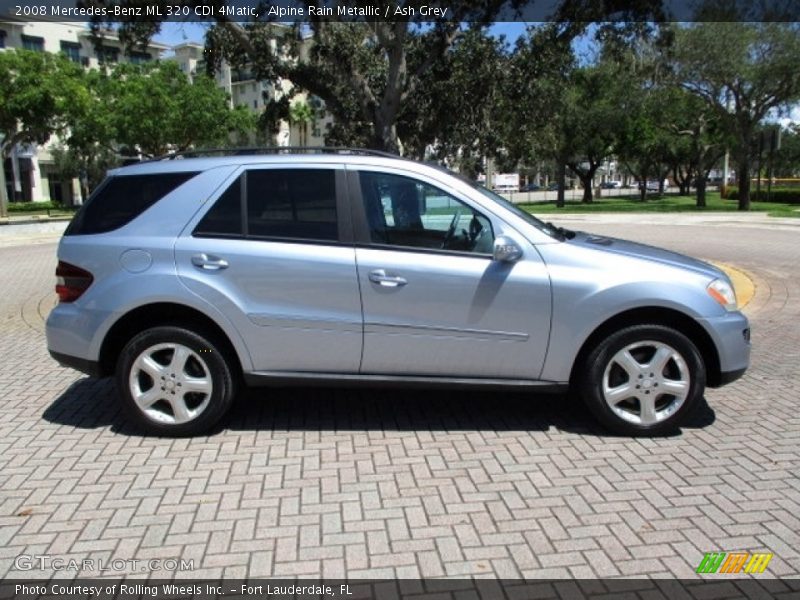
187	277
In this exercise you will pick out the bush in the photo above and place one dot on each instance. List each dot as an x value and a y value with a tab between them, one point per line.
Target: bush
25	207
780	195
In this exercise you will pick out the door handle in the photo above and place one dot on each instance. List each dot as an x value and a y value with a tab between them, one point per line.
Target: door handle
380	277
209	262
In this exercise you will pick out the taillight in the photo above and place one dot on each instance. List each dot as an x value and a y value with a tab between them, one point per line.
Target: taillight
71	281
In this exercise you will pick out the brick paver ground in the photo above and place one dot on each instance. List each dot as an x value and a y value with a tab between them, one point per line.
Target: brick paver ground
407	484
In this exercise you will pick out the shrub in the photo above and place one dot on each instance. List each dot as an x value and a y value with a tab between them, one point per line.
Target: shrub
780	195
24	207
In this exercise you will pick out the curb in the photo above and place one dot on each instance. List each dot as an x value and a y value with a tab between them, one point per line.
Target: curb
742	283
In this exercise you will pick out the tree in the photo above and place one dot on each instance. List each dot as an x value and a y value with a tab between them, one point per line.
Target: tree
302	114
88	165
153	109
538	76
365	72
644	139
36	89
591	120
698	140
745	72
566	112
454	113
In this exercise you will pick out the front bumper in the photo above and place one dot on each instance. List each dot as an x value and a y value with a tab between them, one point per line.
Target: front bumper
731	336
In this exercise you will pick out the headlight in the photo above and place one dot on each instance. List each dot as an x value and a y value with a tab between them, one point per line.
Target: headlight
721	291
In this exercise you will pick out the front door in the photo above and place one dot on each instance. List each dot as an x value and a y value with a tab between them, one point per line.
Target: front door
434	301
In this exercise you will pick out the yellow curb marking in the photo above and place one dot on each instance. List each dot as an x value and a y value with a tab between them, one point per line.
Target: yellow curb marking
742	283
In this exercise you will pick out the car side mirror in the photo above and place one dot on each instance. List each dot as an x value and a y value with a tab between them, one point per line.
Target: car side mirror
506	250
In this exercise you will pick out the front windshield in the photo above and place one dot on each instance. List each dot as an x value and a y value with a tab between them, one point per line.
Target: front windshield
546	228
522	214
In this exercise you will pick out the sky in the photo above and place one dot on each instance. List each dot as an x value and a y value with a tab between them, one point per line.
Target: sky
175	33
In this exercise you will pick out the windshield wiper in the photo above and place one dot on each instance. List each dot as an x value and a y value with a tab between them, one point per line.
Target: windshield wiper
563	232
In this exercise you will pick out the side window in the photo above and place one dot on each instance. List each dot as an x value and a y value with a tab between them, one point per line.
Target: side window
402	211
121	199
225	217
292	203
280	203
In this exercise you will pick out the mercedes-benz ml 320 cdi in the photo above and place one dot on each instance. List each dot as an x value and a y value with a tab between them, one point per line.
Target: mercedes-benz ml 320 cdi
186	278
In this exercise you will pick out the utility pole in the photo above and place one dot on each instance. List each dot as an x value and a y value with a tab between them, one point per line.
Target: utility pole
726	168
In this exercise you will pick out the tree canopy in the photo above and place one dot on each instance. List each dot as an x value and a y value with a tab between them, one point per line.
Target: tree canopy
745	72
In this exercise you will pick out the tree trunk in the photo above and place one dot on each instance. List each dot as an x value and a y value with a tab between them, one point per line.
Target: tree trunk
743	175
586	182
561	176
701	192
385	136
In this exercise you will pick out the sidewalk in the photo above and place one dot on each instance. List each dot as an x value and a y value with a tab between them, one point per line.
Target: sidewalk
24	231
750	219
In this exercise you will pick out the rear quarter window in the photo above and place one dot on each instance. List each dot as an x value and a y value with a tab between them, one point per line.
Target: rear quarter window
121	199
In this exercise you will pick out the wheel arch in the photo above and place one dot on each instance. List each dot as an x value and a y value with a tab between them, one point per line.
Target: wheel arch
655	315
156	314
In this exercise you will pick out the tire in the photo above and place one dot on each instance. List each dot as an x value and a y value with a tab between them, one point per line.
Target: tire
186	360
643	380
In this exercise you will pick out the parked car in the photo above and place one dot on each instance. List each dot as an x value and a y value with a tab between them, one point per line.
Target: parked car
653	186
552	187
531	187
611	185
185	279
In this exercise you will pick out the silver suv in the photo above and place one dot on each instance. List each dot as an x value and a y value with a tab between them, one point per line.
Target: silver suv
187	277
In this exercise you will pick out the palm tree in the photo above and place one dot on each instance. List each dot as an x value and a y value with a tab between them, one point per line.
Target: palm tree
301	114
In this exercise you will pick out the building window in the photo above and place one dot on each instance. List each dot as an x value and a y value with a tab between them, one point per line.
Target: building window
108	54
138	58
241	75
2	39
72	51
33	43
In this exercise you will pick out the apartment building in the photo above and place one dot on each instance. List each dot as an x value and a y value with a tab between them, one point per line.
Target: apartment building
30	173
245	90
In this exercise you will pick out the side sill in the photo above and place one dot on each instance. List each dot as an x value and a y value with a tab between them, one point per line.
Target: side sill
286	378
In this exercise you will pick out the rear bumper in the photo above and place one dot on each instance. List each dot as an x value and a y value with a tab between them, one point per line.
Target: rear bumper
90	367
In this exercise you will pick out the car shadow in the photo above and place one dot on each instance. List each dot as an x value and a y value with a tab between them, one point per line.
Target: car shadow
92	403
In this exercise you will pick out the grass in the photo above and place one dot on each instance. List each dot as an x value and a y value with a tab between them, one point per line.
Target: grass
661	204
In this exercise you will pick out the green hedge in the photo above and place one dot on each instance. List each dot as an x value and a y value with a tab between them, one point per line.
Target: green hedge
780	195
25	207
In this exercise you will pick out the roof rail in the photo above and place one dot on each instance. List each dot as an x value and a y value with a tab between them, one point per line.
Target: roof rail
202	152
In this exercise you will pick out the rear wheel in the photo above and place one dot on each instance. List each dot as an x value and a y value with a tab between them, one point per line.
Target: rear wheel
643	380
174	381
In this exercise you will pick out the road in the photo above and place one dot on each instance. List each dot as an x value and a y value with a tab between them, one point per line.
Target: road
335	483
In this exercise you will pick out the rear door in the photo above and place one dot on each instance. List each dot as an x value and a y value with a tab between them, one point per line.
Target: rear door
274	252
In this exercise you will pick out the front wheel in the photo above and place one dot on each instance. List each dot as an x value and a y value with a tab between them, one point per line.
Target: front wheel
643	380
174	381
